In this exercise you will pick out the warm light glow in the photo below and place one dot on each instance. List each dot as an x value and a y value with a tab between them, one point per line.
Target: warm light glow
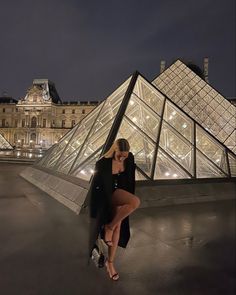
82	172
134	119
167	174
184	125
173	113
131	102
175	175
147	117
91	171
170	117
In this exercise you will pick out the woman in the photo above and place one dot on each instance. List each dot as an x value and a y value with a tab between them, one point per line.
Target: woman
112	200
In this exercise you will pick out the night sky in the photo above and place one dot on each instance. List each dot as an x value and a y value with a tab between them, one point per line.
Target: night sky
88	48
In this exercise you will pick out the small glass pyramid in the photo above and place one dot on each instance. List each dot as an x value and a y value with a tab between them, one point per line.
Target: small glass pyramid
4	144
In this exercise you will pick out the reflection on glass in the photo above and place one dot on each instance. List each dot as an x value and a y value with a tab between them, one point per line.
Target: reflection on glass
143	117
205	168
166	168
176	147
74	146
149	95
208	146
59	148
178	120
87	170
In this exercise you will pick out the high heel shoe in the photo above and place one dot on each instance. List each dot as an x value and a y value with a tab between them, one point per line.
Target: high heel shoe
115	277
109	243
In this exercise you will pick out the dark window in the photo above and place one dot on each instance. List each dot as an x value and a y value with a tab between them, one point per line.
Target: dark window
73	111
63	123
16	122
72	123
33	122
44	123
23	123
3	122
83	111
63	111
3	110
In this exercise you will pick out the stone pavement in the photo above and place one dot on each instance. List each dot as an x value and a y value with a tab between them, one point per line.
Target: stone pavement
184	249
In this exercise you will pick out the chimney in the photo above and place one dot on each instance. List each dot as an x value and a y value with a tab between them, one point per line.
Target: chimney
162	66
205	68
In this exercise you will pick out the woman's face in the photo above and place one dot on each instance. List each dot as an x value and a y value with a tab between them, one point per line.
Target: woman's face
121	156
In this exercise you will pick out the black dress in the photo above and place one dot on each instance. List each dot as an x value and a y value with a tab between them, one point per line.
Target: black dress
100	194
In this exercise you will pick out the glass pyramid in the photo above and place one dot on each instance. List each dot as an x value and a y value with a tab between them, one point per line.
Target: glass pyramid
166	142
201	101
4	144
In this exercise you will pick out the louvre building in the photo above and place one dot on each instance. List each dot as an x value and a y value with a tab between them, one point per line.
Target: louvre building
40	118
180	130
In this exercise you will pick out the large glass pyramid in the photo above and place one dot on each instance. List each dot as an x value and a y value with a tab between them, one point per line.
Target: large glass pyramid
201	101
166	142
4	144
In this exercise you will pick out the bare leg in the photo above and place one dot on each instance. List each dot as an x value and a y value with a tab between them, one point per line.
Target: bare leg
127	203
124	204
112	253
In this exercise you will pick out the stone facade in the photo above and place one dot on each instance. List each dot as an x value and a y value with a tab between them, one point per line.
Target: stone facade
39	119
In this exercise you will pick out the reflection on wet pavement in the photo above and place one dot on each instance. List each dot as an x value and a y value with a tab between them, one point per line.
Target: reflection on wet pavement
184	249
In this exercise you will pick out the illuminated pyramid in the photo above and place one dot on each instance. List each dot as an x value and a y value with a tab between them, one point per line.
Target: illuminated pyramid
166	141
4	144
200	101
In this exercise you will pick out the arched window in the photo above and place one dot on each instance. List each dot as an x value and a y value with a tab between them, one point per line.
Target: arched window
33	122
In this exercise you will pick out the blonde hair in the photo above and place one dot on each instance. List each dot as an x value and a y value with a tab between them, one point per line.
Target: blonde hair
120	144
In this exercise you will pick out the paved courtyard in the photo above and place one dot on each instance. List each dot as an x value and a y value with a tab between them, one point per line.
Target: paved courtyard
185	249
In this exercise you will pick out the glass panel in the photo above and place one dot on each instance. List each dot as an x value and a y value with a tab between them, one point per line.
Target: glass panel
149	95
101	127
232	164
95	141
206	169
166	168
139	175
77	141
231	140
86	171
143	117
208	146
178	149
141	146
178	120
56	153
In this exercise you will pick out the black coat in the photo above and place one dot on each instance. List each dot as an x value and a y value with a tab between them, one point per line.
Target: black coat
100	198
